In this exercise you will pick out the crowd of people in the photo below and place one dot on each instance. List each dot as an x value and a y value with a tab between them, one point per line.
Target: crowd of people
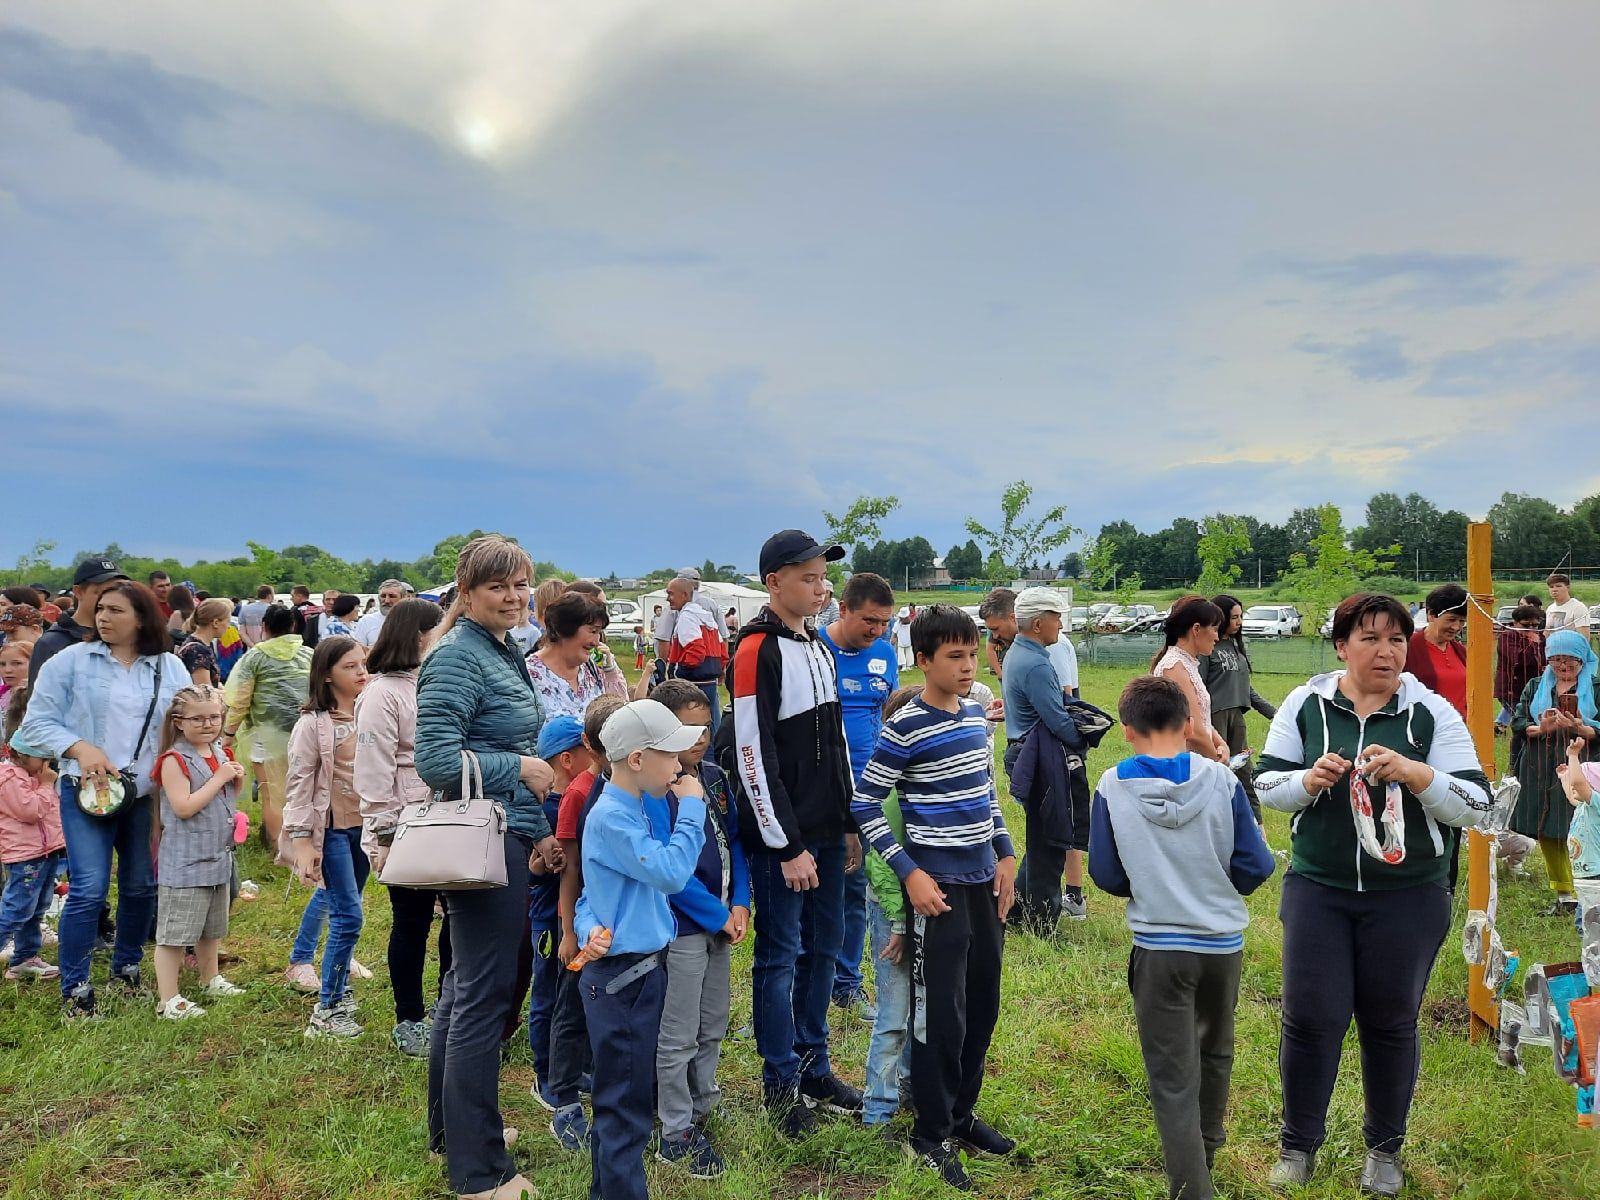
825	810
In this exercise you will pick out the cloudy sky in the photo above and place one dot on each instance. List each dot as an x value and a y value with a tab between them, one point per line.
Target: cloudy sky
640	282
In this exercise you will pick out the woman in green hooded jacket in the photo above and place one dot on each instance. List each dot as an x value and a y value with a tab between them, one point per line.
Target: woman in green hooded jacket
264	695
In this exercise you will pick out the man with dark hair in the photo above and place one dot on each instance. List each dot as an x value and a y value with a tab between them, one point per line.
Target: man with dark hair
998	614
89	579
250	614
1566	611
868	674
318	619
161	584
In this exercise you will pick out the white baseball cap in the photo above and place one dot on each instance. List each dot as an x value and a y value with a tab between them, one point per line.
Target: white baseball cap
646	725
1035	600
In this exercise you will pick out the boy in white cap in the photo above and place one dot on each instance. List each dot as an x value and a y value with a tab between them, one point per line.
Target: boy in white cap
625	923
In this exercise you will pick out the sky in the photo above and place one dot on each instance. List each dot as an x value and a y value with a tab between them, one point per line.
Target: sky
640	283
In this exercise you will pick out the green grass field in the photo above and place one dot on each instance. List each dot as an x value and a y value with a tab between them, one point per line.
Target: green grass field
240	1105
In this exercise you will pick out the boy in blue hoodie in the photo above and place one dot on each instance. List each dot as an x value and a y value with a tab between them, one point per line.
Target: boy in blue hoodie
625	925
1174	832
713	915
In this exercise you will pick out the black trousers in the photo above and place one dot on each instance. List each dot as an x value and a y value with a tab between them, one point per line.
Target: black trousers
1184	1005
1038	903
464	1051
955	1001
1360	954
570	1056
1230	726
623	1030
408	949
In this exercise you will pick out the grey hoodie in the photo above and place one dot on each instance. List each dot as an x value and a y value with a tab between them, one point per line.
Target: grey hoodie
1176	836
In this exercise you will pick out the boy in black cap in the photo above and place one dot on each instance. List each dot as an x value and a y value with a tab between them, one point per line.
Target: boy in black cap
88	581
795	789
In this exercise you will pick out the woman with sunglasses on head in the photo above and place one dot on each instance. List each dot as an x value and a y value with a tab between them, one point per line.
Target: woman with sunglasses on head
1435	654
97	706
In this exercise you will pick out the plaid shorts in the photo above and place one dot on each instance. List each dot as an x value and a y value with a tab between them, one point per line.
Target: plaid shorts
185	915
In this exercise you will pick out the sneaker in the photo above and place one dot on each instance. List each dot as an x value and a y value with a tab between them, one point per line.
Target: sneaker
223	987
5	950
546	1098
357	971
302	977
102	944
1561	906
345	1005
78	1005
48	937
33	968
179	1009
331	1023
411	1038
1381	1174
1074	908
792	1117
943	1158
859	1003
130	978
980	1137
691	1150
571	1128
831	1093
1293	1168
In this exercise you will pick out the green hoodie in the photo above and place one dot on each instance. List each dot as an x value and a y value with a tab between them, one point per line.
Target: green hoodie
886	887
267	688
1418	723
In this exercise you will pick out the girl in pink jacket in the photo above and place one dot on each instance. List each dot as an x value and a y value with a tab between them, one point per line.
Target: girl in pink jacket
31	846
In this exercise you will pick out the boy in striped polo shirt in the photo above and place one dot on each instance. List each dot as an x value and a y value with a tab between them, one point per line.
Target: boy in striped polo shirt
958	869
1174	833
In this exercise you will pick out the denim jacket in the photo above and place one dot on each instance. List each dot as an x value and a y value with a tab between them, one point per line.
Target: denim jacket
69	701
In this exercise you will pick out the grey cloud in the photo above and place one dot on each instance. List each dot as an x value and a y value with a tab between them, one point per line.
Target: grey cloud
1516	365
139	110
1422	278
1374	357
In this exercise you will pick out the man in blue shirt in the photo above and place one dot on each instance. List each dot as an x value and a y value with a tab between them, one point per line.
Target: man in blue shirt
868	674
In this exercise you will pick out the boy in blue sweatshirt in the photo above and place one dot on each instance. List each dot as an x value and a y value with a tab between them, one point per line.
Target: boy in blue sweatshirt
625	923
958	867
713	915
1174	832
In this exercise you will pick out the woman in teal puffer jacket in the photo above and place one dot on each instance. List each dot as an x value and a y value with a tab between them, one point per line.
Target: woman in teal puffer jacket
473	693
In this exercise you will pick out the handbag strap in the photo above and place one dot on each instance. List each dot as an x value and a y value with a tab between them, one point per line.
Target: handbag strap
471	776
149	713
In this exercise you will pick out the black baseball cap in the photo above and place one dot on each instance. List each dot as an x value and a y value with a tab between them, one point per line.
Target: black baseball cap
794	546
97	570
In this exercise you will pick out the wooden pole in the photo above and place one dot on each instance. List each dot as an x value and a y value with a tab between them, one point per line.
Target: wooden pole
1480	721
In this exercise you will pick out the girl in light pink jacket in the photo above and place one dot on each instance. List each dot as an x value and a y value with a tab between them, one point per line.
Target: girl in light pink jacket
31	846
387	779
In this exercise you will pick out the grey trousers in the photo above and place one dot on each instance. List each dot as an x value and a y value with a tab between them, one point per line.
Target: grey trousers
1184	1004
694	1021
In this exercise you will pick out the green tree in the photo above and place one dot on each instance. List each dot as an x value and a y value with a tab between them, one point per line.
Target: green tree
36	562
964	562
1018	540
1328	570
1533	534
1224	541
861	522
1100	562
447	551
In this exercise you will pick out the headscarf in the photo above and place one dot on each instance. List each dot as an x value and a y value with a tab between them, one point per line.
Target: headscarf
14	616
1568	643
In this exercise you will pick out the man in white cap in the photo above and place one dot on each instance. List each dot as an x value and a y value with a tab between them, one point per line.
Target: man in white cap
1034	696
830	607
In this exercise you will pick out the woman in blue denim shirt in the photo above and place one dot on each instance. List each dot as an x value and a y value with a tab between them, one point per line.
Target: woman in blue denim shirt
88	708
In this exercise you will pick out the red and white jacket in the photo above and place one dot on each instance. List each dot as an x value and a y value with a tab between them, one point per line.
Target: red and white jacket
696	651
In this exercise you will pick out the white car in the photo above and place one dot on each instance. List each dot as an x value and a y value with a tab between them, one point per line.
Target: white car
625	614
1327	626
1270	620
1121	618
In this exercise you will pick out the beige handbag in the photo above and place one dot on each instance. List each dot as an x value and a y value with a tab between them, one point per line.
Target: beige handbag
450	845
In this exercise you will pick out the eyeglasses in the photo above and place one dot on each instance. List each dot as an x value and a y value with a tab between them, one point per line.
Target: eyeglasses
201	720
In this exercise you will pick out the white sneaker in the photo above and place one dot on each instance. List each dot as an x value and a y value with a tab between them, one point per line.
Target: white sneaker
222	987
5	950
303	977
357	971
179	1009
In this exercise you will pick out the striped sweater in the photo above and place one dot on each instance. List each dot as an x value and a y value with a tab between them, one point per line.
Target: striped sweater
940	763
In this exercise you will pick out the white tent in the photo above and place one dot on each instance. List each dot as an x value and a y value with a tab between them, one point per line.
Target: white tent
724	596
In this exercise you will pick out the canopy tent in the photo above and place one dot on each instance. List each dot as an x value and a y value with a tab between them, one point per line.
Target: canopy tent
723	596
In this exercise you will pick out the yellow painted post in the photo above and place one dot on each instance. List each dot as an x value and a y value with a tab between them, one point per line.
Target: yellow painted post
1480	721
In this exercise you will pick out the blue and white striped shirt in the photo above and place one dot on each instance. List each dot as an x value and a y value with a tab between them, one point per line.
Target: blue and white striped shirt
941	764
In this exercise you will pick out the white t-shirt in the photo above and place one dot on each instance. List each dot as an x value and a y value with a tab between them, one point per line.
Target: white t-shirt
902	635
1571	614
1065	658
366	630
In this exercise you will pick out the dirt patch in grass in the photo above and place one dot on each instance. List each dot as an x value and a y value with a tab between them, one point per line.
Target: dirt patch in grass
1449	1013
19	1134
811	1181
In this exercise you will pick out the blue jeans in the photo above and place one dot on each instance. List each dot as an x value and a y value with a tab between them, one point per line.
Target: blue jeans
847	982
547	971
710	689
796	950
29	888
90	844
315	918
889	1055
344	873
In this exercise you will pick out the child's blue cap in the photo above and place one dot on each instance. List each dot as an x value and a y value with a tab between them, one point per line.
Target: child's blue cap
559	734
18	746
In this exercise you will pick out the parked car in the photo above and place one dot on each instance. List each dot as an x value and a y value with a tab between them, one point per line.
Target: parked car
625	614
1502	615
1077	619
1326	629
1121	618
1271	620
1097	613
1594	617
